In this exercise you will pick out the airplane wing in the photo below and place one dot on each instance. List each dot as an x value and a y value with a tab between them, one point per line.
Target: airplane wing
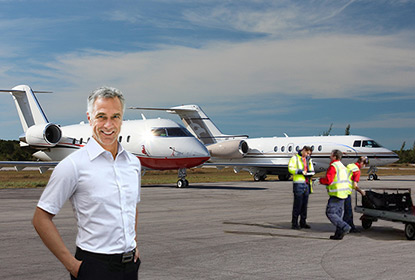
159	109
42	166
171	110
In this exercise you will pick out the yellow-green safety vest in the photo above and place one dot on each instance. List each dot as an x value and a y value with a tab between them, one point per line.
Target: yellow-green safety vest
296	163
340	185
351	168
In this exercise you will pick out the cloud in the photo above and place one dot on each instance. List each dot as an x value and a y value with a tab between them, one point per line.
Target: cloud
389	121
277	19
320	67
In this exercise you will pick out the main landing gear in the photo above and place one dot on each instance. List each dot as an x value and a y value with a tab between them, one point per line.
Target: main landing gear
259	177
182	182
284	177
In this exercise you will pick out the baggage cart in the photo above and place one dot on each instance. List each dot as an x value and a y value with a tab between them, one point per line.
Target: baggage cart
390	204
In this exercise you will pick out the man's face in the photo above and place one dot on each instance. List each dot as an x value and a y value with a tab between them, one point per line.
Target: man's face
106	121
305	153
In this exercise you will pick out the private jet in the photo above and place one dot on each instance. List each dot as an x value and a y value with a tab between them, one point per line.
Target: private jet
270	155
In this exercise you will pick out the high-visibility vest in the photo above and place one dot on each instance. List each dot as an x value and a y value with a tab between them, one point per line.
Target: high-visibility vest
351	168
296	163
340	185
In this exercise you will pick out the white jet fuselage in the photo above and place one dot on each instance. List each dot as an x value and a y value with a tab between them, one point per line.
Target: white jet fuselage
160	144
275	152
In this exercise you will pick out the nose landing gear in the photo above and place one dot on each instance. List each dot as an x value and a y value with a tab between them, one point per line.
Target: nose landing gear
372	173
182	182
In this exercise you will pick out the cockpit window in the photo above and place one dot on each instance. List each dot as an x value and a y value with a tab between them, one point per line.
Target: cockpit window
159	132
171	132
370	144
178	132
357	143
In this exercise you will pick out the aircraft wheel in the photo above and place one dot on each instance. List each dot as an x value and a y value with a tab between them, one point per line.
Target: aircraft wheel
371	177
376	176
181	183
284	177
258	177
410	231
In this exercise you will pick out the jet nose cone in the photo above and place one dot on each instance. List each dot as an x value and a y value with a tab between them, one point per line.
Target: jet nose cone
193	148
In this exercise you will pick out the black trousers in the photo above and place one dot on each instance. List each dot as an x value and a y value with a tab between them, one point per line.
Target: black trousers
96	267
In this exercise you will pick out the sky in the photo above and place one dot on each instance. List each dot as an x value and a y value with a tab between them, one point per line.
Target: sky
262	68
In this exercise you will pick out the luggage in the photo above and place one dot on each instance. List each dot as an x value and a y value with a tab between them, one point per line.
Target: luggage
400	202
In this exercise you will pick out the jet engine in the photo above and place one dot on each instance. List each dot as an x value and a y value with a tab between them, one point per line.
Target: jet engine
44	135
229	149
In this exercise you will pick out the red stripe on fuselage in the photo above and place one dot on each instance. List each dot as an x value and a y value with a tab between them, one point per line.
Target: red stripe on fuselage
171	163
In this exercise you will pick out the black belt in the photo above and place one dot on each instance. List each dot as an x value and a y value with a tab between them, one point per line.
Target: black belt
113	258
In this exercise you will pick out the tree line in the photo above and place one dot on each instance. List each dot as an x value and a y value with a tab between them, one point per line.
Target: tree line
406	156
10	150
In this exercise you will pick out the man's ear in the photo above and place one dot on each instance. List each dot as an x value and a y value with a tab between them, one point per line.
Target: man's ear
89	117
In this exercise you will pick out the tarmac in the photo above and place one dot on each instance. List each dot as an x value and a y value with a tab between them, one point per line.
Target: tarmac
232	230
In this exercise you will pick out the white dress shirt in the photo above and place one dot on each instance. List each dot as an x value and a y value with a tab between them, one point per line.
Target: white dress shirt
104	193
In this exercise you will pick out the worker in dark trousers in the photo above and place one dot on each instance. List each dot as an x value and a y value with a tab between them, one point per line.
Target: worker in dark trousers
337	185
301	166
354	177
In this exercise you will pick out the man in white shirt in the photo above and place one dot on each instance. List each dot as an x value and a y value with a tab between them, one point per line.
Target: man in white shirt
103	183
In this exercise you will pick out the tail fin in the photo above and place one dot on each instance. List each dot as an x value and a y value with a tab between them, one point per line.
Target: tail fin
29	110
201	125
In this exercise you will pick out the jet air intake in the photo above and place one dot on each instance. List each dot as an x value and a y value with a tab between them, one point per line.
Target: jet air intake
229	149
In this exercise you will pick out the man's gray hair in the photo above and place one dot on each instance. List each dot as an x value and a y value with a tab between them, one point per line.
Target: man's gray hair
104	92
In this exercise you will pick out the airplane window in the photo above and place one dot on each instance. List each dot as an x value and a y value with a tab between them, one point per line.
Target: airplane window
74	141
178	132
120	139
357	143
320	148
276	149
128	139
171	132
282	149
297	148
370	144
312	148
80	141
159	132
290	148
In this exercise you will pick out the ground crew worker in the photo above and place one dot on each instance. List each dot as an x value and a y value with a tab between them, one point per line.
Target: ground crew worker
354	177
337	184
301	166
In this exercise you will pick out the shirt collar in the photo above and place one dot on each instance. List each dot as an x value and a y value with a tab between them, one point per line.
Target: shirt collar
95	149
